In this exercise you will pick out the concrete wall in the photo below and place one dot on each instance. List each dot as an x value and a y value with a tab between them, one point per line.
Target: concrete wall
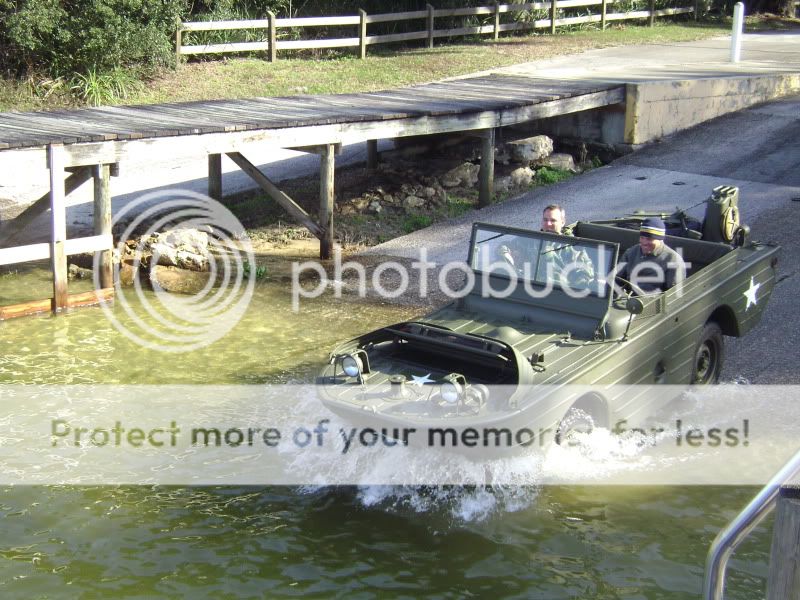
655	109
659	108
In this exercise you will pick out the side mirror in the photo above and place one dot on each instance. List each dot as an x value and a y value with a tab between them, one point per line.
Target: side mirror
634	305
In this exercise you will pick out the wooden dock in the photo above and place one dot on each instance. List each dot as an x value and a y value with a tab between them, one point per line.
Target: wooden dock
91	143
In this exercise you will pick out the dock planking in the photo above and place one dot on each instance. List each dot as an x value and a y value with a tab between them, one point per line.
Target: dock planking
494	92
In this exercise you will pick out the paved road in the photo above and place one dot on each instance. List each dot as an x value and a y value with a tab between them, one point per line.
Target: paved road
757	150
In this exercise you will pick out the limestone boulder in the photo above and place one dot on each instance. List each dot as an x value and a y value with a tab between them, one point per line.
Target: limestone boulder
559	160
522	177
530	149
465	174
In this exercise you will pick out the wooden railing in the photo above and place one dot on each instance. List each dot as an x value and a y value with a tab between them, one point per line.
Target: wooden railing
271	44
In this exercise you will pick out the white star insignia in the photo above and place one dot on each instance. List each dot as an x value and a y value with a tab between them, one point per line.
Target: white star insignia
420	381
750	294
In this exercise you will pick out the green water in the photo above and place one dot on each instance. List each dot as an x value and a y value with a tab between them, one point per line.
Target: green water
143	542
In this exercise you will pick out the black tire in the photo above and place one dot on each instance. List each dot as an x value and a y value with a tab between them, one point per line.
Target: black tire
708	356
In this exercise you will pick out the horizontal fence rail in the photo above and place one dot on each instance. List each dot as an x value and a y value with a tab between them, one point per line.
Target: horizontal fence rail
271	44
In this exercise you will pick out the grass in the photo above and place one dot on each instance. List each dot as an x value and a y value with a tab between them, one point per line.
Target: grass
386	67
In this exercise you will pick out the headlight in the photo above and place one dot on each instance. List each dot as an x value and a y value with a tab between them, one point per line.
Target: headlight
450	392
452	388
352	365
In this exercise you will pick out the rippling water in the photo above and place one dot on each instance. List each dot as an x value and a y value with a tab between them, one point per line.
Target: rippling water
521	541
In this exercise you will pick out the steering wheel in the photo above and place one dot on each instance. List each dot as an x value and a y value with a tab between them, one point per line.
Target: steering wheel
627	287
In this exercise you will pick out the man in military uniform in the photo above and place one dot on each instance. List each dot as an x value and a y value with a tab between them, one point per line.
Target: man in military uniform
562	261
652	265
554	218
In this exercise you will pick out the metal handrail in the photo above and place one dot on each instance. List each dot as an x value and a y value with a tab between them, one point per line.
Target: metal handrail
729	538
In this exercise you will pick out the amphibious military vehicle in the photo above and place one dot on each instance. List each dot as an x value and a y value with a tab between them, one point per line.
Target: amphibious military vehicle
474	362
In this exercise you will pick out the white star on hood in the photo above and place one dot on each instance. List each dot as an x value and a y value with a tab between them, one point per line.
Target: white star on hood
420	381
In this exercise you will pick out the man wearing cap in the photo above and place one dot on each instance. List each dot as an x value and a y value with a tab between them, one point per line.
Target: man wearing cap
652	265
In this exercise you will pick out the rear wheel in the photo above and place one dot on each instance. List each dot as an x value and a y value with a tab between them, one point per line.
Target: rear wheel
708	355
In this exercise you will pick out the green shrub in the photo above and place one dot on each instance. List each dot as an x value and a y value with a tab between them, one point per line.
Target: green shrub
97	89
65	38
546	175
414	222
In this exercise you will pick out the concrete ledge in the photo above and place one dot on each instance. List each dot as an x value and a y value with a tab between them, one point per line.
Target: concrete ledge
656	109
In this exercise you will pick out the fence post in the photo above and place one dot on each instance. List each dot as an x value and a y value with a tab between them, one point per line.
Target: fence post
603	15
430	26
553	8
696	9
178	42
652	13
362	33
496	20
273	51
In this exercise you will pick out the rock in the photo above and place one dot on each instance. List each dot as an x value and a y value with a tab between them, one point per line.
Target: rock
503	184
184	248
76	272
347	209
413	202
530	149
465	174
388	199
561	161
522	177
360	203
428	192
375	207
502	155
178	281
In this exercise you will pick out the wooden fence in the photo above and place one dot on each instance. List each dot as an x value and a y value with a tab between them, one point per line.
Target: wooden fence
271	44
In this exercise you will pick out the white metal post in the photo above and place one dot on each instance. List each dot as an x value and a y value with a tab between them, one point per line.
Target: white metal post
736	34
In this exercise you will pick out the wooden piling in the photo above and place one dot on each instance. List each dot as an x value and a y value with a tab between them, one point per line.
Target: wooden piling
372	155
327	165
58	225
486	173
215	176
784	562
553	11
102	222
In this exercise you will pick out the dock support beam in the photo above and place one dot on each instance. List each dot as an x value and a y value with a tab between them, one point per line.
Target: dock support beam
372	155
58	226
784	560
327	166
215	176
102	221
486	173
